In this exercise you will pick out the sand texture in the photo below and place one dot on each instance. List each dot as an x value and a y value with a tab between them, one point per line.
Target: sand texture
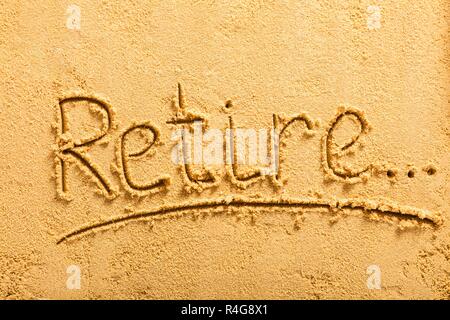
98	200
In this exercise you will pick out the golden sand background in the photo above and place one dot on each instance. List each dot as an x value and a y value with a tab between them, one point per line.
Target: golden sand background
266	57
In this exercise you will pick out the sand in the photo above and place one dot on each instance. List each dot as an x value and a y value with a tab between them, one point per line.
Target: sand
93	206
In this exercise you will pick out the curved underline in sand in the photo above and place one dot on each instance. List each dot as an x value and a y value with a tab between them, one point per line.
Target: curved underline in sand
229	202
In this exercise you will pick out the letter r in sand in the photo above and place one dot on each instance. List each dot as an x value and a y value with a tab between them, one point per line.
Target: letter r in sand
69	149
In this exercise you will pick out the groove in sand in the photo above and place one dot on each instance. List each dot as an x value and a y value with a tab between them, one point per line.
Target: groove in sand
228	202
